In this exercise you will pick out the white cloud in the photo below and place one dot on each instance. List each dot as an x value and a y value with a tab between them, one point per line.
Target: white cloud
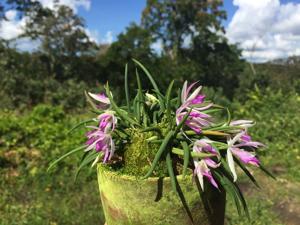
73	4
92	34
13	27
265	29
108	38
26	44
157	47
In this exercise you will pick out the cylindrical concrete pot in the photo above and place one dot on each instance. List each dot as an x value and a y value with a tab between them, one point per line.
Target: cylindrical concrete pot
127	200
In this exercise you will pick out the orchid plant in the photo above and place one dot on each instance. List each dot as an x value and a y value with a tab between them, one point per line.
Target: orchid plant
186	132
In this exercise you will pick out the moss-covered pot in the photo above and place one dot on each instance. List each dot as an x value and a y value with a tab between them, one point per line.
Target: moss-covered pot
127	200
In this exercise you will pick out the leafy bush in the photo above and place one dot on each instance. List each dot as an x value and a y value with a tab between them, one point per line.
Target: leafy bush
30	195
43	131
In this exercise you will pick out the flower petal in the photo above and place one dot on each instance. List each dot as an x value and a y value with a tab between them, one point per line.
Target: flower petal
194	94
184	92
230	162
242	123
100	97
245	157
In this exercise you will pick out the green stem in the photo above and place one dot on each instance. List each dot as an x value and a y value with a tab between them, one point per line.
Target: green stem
200	155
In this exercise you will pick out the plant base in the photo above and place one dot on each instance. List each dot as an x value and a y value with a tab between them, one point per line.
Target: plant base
129	201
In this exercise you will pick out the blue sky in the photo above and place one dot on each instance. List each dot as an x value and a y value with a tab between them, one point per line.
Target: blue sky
114	15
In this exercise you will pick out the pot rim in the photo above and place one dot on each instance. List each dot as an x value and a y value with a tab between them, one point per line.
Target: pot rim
103	168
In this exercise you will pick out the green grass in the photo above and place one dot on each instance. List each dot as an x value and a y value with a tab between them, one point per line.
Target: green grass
48	200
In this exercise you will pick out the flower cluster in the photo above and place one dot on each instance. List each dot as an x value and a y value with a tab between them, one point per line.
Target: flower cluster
193	103
193	113
99	138
236	142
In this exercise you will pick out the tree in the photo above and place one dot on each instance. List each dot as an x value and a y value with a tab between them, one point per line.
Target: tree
176	22
59	71
61	35
191	32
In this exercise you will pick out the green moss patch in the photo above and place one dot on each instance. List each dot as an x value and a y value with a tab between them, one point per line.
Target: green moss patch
139	154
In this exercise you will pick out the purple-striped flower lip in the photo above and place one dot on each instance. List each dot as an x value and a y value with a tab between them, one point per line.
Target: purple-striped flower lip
245	138
202	166
235	147
204	146
100	142
245	157
202	170
107	121
194	97
196	119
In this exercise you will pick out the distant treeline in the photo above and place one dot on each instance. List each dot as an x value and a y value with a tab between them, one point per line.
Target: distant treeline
191	44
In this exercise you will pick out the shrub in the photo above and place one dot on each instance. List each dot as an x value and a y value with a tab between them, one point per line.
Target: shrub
277	114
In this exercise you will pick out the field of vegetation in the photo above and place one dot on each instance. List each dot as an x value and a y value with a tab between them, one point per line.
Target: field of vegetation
42	97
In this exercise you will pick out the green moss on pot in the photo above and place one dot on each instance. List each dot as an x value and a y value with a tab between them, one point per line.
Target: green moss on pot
139	154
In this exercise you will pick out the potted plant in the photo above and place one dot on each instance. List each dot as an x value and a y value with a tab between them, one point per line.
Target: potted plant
164	159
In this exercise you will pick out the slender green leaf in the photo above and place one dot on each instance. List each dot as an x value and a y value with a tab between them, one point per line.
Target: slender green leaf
158	155
148	75
136	106
266	171
65	156
233	190
81	124
155	117
228	117
119	111
199	155
180	125
206	132
87	160
168	103
212	110
145	118
155	129
152	82
242	200
246	172
223	128
126	88
140	96
171	171
186	157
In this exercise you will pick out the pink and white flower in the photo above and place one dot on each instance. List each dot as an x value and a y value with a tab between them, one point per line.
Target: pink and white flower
100	139
202	167
196	119
235	147
100	142
102	98
107	121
